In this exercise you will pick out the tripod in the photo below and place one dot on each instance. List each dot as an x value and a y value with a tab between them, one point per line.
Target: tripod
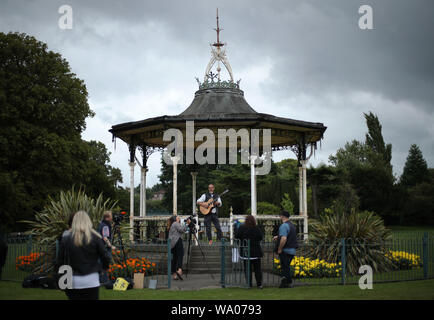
117	232
192	231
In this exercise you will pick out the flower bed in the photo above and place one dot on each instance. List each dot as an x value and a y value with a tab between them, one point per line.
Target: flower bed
302	267
132	265
30	262
403	260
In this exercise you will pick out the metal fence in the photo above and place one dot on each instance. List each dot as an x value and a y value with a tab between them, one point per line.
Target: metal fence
332	263
25	256
154	227
404	257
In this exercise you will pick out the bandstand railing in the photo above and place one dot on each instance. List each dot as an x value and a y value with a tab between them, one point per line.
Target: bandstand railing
154	227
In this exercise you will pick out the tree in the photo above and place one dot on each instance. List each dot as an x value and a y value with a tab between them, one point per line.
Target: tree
43	113
416	190
325	182
366	167
375	142
415	168
287	204
419	207
97	176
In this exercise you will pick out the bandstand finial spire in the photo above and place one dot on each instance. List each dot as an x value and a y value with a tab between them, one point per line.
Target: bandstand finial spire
218	55
218	44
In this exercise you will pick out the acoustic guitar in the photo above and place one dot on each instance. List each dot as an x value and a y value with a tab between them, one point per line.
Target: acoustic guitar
210	204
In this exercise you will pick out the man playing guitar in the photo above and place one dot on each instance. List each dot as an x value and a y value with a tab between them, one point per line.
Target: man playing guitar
212	216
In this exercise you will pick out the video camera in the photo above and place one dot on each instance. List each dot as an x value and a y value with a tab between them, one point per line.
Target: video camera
118	217
192	225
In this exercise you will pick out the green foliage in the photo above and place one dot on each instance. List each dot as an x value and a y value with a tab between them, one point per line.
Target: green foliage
42	116
204	177
326	185
155	206
265	208
366	167
346	200
419	204
364	232
413	196
415	168
287	204
53	220
375	141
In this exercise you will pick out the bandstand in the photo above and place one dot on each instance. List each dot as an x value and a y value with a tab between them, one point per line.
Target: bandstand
218	106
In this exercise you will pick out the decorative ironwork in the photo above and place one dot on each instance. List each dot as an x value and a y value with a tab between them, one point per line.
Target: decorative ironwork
219	84
146	152
211	76
132	149
218	54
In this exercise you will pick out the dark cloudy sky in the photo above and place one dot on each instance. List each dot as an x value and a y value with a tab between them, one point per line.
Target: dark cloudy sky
304	60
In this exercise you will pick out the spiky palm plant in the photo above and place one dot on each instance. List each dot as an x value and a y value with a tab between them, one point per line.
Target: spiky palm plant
365	236
53	220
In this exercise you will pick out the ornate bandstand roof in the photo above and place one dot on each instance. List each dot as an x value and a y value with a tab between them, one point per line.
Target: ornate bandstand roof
217	105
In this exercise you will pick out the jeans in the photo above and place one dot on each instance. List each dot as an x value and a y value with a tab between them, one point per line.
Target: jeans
285	263
212	217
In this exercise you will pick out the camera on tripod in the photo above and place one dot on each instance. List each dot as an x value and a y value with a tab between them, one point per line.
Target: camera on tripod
118	217
192	225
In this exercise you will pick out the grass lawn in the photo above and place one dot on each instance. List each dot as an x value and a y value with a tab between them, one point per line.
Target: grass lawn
397	290
420	229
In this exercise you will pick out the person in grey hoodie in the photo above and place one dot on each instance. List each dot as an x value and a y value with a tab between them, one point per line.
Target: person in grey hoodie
176	230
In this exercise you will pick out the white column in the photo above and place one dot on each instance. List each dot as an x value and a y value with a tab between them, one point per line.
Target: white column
300	190
194	176
304	189
253	185
175	184
305	223
231	229
143	192
132	164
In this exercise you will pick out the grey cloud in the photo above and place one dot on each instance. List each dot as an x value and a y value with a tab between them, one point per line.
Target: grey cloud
131	54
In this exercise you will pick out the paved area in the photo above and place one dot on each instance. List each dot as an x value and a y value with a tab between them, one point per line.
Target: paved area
197	281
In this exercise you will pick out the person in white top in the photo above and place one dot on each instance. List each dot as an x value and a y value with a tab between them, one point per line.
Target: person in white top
213	215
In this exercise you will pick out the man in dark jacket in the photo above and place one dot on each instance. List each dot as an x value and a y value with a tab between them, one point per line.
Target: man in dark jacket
250	231
286	247
105	230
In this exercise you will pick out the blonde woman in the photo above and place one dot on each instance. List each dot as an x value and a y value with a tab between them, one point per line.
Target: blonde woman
83	249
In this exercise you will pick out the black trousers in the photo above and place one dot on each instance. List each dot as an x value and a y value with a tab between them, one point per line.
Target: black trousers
177	256
212	217
255	266
285	264
83	294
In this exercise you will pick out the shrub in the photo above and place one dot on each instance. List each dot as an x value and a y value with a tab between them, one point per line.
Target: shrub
53	220
287	204
265	208
365	236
